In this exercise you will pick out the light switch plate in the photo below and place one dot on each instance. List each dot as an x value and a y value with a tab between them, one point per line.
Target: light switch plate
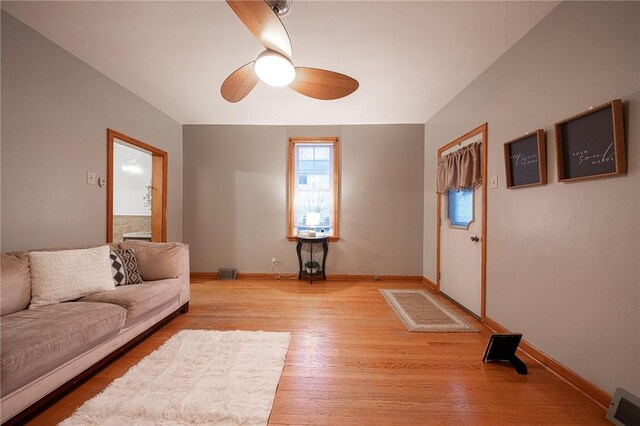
494	182
91	178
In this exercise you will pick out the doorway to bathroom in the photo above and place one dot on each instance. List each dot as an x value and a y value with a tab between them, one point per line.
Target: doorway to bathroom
136	190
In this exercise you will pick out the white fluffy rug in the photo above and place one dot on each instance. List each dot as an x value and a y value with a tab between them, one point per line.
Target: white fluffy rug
197	377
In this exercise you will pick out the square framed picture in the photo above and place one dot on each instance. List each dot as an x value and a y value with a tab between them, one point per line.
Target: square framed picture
590	145
525	160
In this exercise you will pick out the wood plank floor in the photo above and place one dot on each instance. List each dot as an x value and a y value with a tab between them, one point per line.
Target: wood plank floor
351	361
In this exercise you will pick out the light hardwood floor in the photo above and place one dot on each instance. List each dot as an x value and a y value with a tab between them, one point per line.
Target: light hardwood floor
351	361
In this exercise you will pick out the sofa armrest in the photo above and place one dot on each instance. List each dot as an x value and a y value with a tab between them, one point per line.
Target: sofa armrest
185	277
158	261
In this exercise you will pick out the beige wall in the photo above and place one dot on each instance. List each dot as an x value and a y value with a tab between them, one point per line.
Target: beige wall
55	113
563	259
235	198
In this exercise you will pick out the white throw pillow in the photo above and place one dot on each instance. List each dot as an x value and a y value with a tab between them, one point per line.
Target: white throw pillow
60	276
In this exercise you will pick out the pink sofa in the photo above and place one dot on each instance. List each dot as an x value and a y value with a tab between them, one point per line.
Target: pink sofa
45	351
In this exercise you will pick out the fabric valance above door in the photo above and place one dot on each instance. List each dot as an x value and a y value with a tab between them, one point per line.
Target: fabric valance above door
460	169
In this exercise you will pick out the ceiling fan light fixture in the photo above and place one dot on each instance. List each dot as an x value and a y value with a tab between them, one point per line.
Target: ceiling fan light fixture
274	69
274	66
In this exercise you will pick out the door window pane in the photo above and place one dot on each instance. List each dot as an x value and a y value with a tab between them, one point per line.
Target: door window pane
460	208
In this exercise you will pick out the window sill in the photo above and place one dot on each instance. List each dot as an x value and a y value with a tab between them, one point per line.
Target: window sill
330	239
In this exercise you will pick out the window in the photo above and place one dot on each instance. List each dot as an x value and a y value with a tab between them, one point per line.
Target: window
313	185
460	208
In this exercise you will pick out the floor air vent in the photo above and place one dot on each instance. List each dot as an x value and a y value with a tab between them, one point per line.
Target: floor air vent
227	273
624	409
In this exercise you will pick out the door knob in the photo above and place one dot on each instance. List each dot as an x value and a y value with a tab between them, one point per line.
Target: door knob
475	238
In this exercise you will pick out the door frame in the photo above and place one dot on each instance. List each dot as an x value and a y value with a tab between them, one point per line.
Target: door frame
480	130
159	168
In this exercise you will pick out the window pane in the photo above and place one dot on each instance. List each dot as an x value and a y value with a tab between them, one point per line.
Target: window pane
306	165
321	166
313	202
460	207
314	167
305	152
323	153
314	181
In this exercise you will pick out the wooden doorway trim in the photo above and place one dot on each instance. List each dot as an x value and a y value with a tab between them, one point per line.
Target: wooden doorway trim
159	165
480	130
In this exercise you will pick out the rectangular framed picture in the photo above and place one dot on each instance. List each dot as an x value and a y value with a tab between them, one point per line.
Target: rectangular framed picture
590	145
525	160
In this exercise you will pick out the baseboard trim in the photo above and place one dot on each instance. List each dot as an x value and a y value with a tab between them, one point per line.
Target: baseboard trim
591	391
211	276
365	277
255	276
430	284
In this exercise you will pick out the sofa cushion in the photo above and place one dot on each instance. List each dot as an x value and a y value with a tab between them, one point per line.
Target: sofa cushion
35	341
60	276
124	267
15	282
156	261
139	299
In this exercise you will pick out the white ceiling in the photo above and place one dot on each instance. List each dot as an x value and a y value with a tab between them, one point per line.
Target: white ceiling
411	58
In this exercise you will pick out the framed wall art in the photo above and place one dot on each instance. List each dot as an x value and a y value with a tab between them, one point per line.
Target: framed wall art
590	145
525	160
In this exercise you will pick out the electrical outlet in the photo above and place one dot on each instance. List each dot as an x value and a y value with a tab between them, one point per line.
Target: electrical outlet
376	277
274	260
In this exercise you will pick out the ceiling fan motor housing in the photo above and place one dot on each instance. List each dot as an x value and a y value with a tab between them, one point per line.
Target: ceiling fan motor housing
280	7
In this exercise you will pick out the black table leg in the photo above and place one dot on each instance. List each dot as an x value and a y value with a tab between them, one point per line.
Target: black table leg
325	250
298	250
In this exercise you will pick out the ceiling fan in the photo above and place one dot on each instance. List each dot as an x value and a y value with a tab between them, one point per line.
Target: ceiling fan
274	66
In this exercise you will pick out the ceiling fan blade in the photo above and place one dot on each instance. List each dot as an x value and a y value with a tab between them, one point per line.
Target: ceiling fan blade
265	25
323	84
239	83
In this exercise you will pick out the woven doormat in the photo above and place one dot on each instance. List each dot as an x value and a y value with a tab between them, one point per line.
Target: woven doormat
420	311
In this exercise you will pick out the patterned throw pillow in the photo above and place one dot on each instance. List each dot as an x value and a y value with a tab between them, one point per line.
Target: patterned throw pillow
124	267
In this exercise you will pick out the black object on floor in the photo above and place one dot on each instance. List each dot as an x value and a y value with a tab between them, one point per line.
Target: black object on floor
502	348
